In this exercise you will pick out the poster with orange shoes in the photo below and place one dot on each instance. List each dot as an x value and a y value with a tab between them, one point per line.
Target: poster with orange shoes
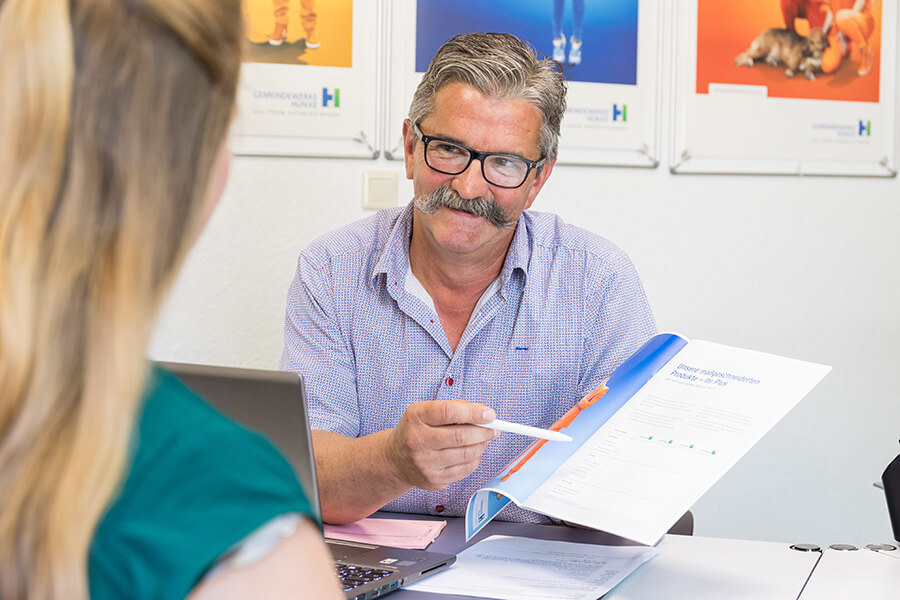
785	87
309	78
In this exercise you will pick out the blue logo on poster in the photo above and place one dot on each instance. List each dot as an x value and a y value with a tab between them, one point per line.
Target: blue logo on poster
620	113
865	127
331	99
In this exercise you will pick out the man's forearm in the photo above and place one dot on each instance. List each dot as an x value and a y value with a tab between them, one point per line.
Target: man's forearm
354	474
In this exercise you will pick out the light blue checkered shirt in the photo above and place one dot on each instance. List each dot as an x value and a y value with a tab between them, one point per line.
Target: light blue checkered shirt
569	308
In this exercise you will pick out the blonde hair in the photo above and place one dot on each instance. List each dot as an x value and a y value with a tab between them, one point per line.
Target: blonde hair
111	115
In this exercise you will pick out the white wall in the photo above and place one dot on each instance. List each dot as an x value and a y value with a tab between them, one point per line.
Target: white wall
804	267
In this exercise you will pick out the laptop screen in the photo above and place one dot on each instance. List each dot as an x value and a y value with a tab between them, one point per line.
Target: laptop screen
272	403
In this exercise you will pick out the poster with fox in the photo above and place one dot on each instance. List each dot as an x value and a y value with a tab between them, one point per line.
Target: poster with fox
785	86
816	49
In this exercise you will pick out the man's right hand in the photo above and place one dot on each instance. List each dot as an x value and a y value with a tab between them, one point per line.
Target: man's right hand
434	444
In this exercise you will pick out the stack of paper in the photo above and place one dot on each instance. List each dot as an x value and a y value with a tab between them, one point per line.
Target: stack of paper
396	533
518	568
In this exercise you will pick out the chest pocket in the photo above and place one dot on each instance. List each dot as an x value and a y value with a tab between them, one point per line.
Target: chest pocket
529	385
554	379
505	385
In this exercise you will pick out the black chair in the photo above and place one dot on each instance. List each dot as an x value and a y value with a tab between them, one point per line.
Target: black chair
891	481
684	525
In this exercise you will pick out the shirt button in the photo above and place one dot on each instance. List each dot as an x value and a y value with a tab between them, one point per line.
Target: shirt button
449	381
439	508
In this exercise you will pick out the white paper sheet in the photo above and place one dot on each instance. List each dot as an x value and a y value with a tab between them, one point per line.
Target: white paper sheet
517	568
674	439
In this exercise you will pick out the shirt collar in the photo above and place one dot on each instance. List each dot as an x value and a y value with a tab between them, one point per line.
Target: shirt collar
518	257
394	259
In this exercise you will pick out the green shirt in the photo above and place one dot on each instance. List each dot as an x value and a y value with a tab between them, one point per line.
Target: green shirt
198	484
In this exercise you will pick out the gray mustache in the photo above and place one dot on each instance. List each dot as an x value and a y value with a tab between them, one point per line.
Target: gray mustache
480	207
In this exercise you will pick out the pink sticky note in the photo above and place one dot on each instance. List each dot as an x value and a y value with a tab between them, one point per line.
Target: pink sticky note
397	533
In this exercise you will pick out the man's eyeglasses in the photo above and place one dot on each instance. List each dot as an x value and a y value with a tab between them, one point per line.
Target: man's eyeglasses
502	170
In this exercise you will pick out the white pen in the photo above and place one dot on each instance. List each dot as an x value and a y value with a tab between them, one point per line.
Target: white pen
544	434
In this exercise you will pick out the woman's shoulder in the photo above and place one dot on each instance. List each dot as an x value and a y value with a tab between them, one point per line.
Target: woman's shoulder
183	438
198	484
176	418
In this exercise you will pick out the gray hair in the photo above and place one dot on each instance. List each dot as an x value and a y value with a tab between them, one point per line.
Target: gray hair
498	65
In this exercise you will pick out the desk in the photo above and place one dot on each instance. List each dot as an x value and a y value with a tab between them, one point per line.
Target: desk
698	568
715	569
453	540
859	574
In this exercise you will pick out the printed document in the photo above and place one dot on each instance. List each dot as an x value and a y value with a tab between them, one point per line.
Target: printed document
665	427
517	568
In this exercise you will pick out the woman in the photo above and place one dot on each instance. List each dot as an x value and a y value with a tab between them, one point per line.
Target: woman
855	19
116	481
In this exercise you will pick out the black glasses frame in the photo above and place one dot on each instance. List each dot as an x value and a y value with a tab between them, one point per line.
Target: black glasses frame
476	155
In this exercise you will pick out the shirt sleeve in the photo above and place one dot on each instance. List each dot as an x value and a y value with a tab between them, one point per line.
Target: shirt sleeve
315	347
256	546
622	321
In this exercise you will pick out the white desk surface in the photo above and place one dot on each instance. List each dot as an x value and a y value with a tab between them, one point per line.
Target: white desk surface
860	574
699	568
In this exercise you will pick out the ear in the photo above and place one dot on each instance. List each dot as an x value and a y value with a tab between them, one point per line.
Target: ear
539	180
409	140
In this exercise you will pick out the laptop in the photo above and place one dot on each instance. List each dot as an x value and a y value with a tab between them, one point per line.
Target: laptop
273	403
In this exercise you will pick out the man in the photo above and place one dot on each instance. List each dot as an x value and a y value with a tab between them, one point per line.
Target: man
413	324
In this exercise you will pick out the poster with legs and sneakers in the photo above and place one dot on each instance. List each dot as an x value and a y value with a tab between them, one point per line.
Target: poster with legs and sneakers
609	53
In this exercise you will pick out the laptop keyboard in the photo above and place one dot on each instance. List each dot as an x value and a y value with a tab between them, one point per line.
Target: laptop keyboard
354	576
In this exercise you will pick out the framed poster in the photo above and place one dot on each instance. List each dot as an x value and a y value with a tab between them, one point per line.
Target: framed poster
610	53
309	84
785	87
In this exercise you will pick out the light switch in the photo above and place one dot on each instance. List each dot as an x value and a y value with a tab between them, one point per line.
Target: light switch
379	189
